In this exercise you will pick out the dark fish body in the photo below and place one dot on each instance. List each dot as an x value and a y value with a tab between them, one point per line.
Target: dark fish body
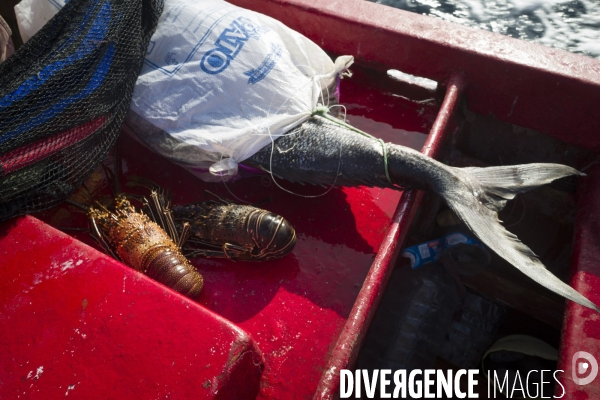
321	151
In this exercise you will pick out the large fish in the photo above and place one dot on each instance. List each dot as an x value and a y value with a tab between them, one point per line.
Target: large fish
321	151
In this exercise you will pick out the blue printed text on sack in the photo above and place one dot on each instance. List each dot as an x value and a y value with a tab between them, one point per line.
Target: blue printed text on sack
229	44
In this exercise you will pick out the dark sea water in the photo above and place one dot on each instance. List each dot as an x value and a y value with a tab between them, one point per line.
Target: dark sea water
569	25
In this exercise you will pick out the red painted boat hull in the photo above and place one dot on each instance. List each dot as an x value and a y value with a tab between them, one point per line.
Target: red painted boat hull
284	329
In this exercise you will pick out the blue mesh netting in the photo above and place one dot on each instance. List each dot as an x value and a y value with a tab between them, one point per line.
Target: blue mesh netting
64	96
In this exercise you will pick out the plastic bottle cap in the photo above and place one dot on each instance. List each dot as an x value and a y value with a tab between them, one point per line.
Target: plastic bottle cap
225	167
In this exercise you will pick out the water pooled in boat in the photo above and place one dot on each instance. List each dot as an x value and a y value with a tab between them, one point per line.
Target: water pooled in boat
569	25
414	140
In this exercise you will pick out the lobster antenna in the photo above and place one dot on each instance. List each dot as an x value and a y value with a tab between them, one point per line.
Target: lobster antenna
78	205
117	170
218	197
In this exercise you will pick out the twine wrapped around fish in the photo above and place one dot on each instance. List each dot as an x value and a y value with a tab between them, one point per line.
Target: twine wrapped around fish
303	143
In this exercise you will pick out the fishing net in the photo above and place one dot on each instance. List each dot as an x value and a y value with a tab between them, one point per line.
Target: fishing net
64	96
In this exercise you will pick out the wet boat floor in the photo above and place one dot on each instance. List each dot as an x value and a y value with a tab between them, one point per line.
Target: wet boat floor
296	307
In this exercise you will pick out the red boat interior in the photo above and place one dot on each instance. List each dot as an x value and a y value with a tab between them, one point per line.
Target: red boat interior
74	321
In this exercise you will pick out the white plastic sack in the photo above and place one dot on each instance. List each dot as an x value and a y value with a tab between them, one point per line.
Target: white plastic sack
219	82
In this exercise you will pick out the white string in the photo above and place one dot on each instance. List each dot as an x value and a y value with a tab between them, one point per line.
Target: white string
588	166
224	181
321	96
232	194
311	81
298	194
522	215
343	107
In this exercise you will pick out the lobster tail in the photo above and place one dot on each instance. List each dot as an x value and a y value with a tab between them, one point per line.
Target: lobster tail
173	270
142	244
64	96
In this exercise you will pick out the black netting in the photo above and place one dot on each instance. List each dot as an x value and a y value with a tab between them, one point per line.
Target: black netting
63	98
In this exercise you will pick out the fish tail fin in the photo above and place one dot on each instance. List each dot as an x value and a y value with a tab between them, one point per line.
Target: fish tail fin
501	184
481	192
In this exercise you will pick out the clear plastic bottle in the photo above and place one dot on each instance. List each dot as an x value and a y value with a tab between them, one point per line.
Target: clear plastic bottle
415	313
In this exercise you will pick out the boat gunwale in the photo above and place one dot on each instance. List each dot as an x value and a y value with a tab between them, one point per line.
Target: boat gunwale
519	82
